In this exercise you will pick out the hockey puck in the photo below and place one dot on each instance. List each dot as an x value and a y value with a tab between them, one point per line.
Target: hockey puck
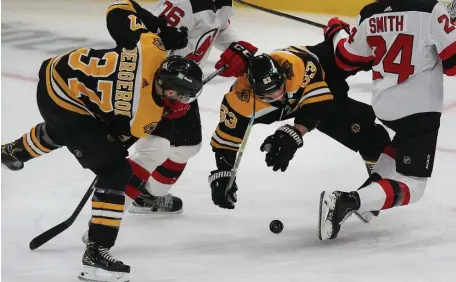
276	226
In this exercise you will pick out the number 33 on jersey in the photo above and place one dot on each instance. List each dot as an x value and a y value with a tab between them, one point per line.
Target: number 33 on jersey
112	84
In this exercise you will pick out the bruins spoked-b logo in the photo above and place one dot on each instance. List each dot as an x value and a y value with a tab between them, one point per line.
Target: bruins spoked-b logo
287	69
243	95
150	128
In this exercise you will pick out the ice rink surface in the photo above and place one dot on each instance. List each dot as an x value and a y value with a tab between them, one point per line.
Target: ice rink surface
207	244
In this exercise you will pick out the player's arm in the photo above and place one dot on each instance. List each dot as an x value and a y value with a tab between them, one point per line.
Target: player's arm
124	24
352	53
315	104
236	53
227	137
127	20
317	101
235	115
443	36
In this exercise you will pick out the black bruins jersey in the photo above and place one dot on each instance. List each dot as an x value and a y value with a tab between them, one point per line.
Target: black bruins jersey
115	85
305	90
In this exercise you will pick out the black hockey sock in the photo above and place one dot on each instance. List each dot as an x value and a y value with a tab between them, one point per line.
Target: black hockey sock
34	143
107	211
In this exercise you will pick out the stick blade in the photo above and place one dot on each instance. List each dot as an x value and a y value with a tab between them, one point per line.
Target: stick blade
41	239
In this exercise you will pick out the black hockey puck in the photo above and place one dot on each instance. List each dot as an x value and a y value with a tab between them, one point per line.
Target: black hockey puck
276	226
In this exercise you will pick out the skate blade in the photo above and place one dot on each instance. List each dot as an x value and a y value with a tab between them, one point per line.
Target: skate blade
366	217
148	211
324	227
93	274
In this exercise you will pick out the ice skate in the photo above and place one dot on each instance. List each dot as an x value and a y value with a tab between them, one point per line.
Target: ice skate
9	159
335	208
149	204
100	266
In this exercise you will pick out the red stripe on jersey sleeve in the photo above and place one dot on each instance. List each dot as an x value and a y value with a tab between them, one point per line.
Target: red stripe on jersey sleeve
344	66
448	52
450	72
352	57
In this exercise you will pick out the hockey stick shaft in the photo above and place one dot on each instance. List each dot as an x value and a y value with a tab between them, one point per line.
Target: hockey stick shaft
280	14
214	74
242	148
44	237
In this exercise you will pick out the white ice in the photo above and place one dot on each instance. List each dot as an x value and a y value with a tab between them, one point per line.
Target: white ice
205	243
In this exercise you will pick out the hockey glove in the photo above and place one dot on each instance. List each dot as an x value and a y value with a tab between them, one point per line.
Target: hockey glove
281	147
236	57
175	109
334	26
222	195
172	38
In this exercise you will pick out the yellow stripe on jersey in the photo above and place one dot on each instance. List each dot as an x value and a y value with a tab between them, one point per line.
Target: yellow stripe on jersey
108	206
67	91
60	102
105	221
123	5
316	99
314	86
28	148
218	146
148	113
37	143
227	137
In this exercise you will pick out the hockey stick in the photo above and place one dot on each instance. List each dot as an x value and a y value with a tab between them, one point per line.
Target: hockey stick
44	237
39	240
214	74
242	148
280	14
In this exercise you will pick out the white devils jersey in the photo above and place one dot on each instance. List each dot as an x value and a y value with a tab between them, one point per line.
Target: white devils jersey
207	22
409	49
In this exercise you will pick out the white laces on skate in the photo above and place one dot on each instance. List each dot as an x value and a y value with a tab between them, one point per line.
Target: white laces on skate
165	201
104	253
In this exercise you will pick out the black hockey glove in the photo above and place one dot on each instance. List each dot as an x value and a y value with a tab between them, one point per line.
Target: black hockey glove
281	147
222	195
172	38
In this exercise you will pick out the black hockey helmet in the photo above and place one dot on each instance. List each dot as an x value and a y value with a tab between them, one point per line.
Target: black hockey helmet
181	75
264	75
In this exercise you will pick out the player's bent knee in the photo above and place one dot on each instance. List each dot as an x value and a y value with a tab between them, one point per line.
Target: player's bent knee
151	152
416	185
115	176
373	141
182	154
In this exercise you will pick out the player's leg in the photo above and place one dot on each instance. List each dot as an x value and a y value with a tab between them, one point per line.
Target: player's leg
353	125
86	138
35	143
185	143
398	179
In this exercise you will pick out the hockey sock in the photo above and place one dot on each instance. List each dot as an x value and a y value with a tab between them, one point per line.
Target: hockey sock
107	211
383	194
34	143
164	176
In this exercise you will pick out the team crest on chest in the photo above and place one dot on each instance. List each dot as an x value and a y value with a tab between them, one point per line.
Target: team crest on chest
150	128
144	83
159	44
